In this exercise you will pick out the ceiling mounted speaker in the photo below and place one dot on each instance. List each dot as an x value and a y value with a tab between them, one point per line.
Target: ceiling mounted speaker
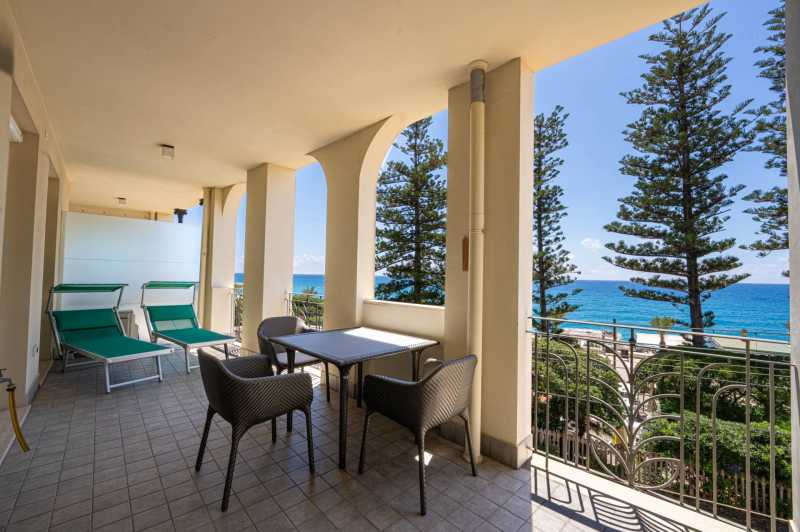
167	151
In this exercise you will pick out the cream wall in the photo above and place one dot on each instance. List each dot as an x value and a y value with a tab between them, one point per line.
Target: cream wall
351	166
23	263
107	249
426	321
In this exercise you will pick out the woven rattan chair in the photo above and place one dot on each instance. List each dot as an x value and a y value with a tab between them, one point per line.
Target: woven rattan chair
282	326
441	394
245	392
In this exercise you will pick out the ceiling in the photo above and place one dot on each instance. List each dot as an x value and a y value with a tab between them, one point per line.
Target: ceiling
235	83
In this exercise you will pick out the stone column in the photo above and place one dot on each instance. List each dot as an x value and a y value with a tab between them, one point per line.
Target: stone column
793	153
217	256
506	372
23	263
269	246
351	167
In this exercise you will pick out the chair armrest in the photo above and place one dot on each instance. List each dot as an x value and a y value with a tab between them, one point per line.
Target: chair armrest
396	399
259	399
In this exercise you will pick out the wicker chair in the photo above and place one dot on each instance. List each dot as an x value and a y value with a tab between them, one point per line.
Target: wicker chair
281	326
245	392
441	394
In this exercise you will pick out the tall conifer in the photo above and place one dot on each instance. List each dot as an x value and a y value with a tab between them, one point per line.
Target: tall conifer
552	267
771	209
411	217
680	199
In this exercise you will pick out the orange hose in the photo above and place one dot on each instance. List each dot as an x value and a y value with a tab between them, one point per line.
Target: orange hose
12	411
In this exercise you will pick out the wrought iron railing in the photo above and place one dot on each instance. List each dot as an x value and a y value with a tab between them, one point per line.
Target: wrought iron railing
309	307
701	418
237	311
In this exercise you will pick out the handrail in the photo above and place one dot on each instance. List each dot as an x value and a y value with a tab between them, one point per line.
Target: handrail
655	329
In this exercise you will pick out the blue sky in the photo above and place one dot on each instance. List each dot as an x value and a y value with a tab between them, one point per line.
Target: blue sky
588	86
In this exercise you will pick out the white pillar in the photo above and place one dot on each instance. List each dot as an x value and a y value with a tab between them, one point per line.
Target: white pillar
23	263
217	256
506	364
269	246
793	154
351	167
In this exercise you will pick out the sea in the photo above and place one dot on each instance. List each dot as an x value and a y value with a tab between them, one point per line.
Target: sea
761	309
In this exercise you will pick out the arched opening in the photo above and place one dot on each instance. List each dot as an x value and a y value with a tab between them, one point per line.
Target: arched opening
411	215
306	299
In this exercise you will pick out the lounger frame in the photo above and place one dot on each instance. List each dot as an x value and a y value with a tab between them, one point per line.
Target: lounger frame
164	335
66	350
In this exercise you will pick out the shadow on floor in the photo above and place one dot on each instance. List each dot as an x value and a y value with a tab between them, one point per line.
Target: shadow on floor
594	510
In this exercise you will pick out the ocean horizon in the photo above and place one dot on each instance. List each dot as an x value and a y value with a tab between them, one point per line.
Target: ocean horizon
762	309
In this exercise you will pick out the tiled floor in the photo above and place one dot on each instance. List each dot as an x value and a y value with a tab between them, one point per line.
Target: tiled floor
124	461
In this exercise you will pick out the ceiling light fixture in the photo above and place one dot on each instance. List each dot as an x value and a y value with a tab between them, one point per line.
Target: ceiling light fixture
167	151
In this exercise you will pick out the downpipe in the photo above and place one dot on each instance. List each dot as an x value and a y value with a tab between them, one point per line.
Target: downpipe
12	411
477	112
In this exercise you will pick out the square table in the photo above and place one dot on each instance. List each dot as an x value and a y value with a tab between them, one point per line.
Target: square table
345	348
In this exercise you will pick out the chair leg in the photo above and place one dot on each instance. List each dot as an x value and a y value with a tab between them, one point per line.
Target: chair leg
363	443
469	444
309	441
186	355
274	429
204	439
421	457
327	383
236	435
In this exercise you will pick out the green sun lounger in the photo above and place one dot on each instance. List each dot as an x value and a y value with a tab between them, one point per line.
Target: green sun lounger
97	334
178	324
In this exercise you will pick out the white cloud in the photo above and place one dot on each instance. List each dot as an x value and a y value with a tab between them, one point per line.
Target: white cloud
311	264
592	244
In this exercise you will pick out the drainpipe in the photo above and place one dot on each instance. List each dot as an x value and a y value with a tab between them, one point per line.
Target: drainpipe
477	110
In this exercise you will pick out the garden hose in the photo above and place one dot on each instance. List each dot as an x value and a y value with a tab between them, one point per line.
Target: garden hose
12	411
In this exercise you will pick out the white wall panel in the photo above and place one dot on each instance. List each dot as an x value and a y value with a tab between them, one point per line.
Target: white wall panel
107	249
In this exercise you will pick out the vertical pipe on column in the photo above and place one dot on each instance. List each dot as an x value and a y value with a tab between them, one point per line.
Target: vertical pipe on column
477	110
793	158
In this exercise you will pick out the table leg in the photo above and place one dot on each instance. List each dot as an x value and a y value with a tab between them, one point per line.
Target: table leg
289	369
360	386
344	382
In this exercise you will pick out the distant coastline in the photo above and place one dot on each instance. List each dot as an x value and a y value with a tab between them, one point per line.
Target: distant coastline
762	309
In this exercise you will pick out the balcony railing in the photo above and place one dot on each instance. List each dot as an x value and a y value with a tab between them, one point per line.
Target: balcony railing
703	419
237	311
308	307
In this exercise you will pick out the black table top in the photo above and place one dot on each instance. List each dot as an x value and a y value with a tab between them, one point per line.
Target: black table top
350	346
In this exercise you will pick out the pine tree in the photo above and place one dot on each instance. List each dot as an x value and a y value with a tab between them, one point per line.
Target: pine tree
772	206
552	267
411	216
681	200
